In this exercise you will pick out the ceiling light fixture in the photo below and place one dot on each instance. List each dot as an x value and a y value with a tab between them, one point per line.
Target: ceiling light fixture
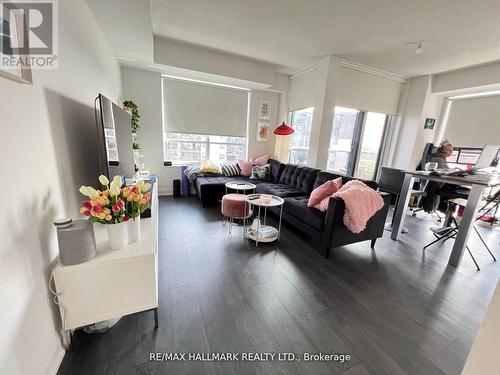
418	51
283	129
419	44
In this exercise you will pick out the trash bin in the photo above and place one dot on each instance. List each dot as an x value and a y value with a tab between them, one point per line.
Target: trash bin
177	188
186	188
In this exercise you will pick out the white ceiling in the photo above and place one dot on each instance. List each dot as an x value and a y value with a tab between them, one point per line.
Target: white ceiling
295	33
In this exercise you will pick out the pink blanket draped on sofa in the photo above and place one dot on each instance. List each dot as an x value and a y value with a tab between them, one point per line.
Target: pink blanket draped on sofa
361	203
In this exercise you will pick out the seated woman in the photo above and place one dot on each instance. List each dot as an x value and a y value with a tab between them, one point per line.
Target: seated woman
436	192
442	152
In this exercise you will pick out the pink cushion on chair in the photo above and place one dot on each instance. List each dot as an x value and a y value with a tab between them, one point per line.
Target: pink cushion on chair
246	167
235	206
324	191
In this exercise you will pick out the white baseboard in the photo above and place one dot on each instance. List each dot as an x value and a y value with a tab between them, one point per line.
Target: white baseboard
53	358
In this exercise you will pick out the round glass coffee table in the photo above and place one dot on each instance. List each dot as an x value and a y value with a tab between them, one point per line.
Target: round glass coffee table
261	232
240	186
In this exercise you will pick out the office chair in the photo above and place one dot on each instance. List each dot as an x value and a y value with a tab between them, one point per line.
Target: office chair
452	231
426	153
391	181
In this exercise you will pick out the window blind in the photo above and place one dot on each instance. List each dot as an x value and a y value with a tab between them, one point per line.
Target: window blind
192	107
474	122
368	92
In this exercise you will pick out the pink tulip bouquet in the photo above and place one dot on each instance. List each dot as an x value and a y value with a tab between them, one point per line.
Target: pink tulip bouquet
105	206
112	204
137	198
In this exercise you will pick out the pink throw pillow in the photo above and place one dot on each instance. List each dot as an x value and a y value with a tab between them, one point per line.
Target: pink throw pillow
324	191
246	167
261	160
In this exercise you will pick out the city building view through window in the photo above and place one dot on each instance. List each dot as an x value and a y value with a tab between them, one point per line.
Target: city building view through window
371	142
301	122
341	141
181	148
355	142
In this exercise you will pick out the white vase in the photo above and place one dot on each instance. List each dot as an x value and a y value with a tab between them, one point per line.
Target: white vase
118	235
134	229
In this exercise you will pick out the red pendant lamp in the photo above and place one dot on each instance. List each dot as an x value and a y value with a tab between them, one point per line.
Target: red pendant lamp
283	129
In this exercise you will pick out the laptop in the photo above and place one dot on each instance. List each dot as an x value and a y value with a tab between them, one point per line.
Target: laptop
488	155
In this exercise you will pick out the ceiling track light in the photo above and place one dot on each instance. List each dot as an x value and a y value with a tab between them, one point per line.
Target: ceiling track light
418	50
419	45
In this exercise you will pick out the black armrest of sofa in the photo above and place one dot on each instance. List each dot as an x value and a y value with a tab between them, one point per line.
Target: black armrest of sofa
336	234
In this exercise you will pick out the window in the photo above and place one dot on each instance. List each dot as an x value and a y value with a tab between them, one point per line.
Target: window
356	142
371	144
342	140
301	122
191	148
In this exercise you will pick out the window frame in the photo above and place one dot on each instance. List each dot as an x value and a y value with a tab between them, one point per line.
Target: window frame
206	142
290	121
359	131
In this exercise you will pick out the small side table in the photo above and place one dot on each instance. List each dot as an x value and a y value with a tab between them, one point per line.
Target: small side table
240	186
265	233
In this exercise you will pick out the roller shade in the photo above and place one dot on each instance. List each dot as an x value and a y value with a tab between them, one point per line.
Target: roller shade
368	92
474	122
302	91
191	107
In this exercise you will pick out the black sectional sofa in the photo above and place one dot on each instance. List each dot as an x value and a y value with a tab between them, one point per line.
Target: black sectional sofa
294	184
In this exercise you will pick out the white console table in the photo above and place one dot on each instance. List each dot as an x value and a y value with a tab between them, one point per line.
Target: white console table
114	283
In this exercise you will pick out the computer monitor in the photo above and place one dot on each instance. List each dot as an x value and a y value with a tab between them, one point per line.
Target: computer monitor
487	156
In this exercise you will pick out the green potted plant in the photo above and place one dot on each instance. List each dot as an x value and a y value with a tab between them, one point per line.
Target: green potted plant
130	107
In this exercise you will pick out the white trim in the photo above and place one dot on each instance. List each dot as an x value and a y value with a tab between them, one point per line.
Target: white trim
204	83
304	70
475	95
247	132
374	71
355	66
444	123
163	125
53	358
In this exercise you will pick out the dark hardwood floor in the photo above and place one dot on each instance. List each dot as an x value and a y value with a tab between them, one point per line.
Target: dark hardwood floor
395	310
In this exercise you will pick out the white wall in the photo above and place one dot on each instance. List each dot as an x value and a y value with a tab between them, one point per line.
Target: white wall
262	148
325	98
432	108
47	151
474	122
476	77
317	87
418	103
182	55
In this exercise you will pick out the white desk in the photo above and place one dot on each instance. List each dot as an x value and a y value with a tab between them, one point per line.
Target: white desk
114	283
477	183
